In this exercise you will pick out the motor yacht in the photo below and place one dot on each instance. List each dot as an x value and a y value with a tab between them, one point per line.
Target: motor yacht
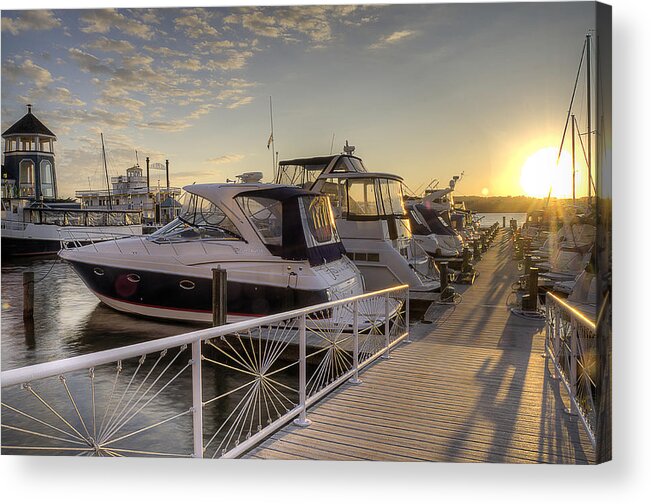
278	244
371	219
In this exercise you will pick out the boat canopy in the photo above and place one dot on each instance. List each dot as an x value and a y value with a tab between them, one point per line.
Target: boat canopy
305	171
273	213
365	196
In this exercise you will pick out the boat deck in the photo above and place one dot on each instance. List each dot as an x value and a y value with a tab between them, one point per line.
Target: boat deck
472	386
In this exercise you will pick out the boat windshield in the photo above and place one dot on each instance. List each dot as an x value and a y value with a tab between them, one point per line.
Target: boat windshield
299	175
199	219
435	221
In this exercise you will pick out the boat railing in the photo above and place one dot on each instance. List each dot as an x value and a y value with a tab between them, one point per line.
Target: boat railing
72	239
13	225
571	346
215	392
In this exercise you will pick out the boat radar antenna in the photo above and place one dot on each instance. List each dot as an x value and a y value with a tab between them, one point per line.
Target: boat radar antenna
349	149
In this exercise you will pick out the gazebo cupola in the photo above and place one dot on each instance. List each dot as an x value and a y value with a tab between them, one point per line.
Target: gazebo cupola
29	158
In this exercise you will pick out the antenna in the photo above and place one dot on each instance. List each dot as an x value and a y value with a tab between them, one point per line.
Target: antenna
137	163
332	144
349	149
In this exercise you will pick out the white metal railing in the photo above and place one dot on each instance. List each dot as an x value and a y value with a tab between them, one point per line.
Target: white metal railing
215	392
571	345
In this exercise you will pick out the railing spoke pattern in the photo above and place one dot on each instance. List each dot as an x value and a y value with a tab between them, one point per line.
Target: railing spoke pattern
246	380
106	411
572	346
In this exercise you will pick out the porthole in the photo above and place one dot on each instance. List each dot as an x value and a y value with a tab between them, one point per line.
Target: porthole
132	277
98	271
186	284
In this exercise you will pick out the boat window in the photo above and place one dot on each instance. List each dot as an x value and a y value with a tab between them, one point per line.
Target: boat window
391	192
318	220
266	215
362	200
335	189
201	219
298	175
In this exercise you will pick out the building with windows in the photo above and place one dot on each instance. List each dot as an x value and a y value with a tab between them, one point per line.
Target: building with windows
28	170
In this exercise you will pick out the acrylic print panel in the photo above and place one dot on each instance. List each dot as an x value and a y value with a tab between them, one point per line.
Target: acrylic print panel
308	232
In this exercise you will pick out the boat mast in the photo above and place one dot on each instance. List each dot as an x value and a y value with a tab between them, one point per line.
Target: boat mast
589	104
274	154
108	187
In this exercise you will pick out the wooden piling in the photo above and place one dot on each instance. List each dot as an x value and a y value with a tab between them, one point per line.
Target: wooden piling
219	296
533	288
28	295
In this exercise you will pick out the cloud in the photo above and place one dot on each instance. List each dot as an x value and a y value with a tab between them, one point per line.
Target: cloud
228	158
33	74
232	60
164	51
393	38
194	23
34	20
313	21
104	20
111	45
88	63
192	64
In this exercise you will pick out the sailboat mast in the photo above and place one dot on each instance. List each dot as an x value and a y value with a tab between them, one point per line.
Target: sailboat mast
108	186
589	105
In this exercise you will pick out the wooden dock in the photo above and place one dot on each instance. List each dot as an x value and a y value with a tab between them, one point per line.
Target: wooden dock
472	386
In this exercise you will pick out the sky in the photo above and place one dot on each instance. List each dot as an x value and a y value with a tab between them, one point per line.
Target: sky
424	91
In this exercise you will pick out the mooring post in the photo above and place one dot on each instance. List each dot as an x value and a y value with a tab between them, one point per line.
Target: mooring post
219	296
443	268
533	288
476	253
28	295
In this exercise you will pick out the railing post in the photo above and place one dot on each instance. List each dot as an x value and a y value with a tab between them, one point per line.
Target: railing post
573	351
387	321
557	338
197	400
302	420
355	379
407	339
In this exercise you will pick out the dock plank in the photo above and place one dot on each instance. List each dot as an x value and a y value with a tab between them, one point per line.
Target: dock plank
472	386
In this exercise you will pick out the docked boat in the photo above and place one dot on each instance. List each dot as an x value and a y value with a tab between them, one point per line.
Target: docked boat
34	218
278	244
371	219
432	232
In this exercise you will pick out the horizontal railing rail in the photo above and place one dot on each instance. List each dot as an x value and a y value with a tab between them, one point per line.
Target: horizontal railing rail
214	392
571	345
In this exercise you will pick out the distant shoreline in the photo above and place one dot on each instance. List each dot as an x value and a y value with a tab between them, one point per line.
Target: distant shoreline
505	204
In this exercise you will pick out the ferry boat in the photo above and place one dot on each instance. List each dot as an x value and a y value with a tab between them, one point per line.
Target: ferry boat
278	244
371	219
34	218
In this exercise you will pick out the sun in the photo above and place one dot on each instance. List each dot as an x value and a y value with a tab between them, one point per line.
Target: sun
540	173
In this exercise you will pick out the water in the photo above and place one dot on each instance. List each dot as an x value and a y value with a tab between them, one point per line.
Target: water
70	321
489	219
